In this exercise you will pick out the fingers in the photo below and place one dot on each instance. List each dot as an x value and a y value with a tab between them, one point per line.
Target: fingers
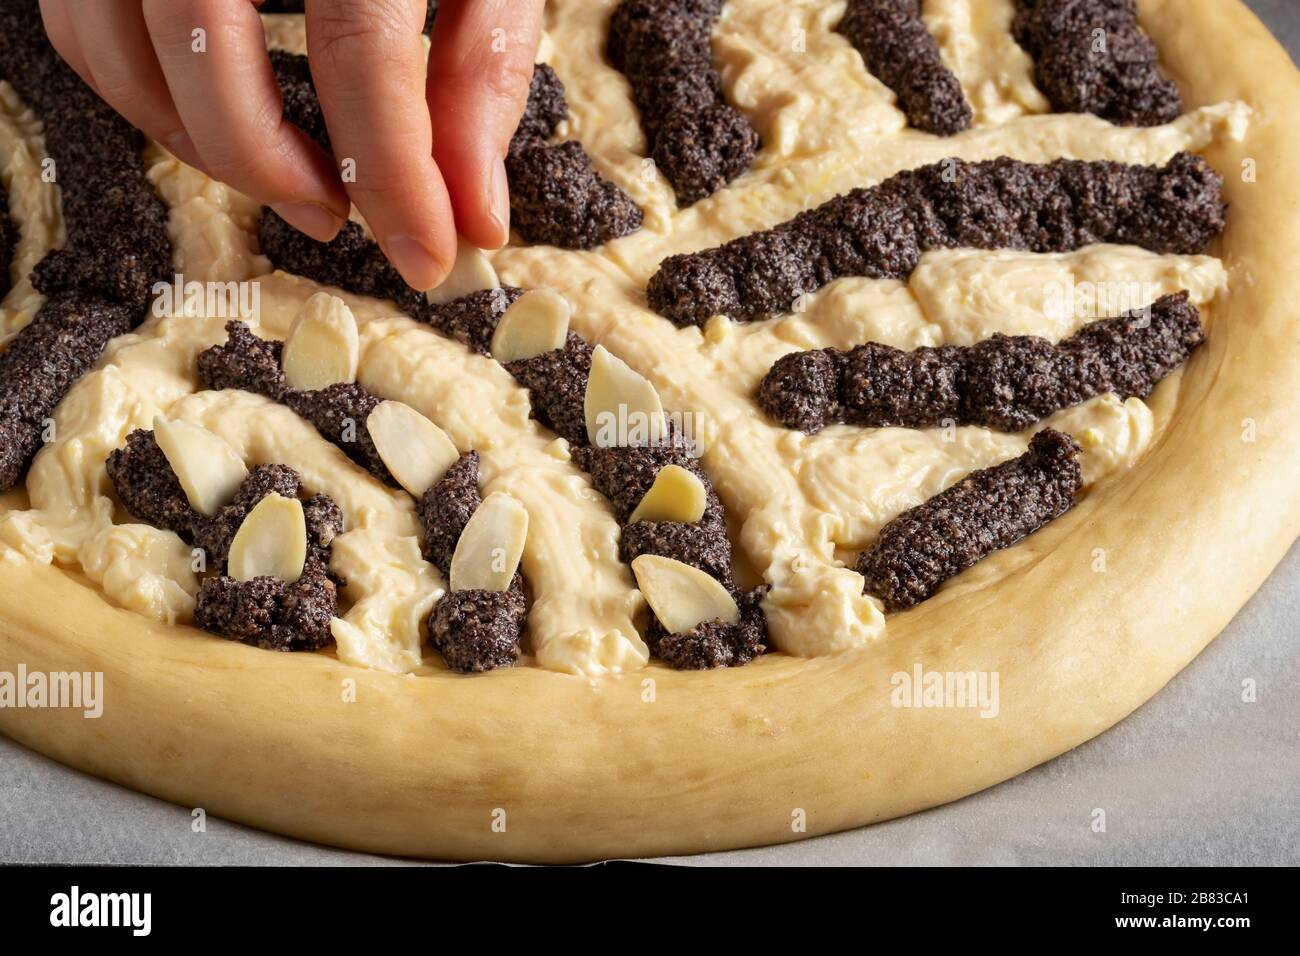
119	58
58	27
367	60
213	56
479	71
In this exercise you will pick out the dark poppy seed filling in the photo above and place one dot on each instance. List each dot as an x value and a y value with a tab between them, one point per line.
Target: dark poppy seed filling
1004	382
714	643
986	511
149	490
624	474
268	613
473	630
900	51
8	243
265	611
100	281
339	412
100	174
697	140
882	231
557	386
556	195
40	364
1091	56
298	91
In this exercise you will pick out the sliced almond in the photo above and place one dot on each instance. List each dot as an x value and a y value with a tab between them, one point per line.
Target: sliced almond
619	402
471	273
207	467
537	323
682	596
676	495
414	450
272	541
323	347
488	552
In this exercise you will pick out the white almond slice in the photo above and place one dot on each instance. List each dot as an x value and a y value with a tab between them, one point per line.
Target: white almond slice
538	322
414	450
209	470
676	495
682	596
272	541
620	404
472	272
323	346
488	552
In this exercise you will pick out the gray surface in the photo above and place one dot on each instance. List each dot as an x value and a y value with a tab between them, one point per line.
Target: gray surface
1197	776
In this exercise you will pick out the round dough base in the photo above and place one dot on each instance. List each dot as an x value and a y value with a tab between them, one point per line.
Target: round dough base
530	765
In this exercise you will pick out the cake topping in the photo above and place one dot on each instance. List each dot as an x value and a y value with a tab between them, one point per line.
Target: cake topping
714	643
1090	56
337	411
621	407
676	495
8	242
698	141
899	50
246	361
268	613
271	543
556	195
41	363
882	231
101	176
208	469
557	387
986	511
149	489
272	551
416	451
477	629
537	322
682	596
472	272
323	346
99	281
491	545
445	509
1004	382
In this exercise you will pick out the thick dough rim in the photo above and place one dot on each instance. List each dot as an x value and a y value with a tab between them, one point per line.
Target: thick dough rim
423	766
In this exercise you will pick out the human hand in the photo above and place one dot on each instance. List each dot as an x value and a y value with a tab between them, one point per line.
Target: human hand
428	151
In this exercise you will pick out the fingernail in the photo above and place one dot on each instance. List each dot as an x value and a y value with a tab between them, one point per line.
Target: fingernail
313	219
500	208
414	261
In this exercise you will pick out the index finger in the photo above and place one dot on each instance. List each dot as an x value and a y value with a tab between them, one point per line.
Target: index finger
367	60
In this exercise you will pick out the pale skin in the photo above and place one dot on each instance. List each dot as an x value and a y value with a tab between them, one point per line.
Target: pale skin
429	151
